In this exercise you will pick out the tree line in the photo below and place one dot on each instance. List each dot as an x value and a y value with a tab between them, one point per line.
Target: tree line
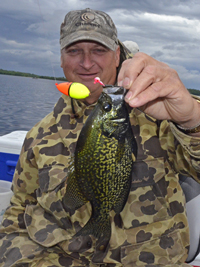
24	74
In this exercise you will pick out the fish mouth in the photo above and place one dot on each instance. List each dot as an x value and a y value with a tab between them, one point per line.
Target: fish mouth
116	90
118	120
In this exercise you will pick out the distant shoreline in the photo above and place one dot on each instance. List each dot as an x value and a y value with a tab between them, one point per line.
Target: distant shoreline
24	74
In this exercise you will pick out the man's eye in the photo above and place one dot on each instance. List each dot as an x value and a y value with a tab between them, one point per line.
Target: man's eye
73	51
99	51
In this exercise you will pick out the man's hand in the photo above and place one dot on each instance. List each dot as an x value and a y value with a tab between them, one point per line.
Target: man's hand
156	89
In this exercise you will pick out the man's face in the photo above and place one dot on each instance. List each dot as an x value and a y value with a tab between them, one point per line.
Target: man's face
83	61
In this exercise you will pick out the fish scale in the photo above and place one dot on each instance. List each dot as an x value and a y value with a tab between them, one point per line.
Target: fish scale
103	163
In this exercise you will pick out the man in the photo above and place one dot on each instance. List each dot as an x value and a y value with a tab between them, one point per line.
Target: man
152	229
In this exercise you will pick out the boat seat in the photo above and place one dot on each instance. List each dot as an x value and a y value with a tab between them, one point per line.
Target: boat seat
191	190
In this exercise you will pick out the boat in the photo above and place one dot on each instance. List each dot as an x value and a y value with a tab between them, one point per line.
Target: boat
10	147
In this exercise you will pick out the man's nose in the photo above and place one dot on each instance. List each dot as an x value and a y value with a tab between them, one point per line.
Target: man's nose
87	61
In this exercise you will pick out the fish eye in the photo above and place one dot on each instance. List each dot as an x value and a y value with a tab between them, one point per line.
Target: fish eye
107	106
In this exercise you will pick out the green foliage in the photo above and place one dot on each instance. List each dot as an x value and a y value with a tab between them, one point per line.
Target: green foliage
23	74
194	92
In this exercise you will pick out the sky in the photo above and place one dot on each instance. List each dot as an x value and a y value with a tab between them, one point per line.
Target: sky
168	30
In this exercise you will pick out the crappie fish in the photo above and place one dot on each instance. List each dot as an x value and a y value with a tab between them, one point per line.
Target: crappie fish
103	161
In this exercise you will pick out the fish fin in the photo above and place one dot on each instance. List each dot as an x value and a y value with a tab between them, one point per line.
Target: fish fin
130	142
122	198
98	227
73	198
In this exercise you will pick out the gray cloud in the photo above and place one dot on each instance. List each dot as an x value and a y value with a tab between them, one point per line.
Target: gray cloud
166	30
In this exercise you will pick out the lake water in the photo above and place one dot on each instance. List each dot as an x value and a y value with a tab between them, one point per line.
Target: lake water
25	101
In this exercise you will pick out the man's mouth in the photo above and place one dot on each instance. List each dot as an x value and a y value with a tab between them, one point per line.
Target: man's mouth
87	76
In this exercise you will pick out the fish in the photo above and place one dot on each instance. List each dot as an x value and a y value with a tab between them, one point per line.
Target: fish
104	155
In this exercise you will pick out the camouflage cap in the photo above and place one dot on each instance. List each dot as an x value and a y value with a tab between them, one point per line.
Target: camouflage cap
88	24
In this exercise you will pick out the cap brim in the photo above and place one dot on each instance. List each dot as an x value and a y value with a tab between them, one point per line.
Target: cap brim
87	35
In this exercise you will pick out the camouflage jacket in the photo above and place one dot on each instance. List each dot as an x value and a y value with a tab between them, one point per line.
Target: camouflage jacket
152	229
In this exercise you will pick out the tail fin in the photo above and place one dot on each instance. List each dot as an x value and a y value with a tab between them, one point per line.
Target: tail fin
98	227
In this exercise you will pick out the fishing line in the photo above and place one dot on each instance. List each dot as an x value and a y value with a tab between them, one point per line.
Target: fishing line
74	90
45	32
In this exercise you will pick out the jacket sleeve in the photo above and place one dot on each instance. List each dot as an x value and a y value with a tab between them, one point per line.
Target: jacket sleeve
24	185
183	150
187	153
13	233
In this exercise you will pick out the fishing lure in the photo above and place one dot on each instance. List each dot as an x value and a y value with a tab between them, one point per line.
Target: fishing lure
97	80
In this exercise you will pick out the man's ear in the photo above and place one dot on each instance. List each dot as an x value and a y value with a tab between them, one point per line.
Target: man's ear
117	54
61	60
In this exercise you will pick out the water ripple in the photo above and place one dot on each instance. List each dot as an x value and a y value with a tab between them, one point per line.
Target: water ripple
24	101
